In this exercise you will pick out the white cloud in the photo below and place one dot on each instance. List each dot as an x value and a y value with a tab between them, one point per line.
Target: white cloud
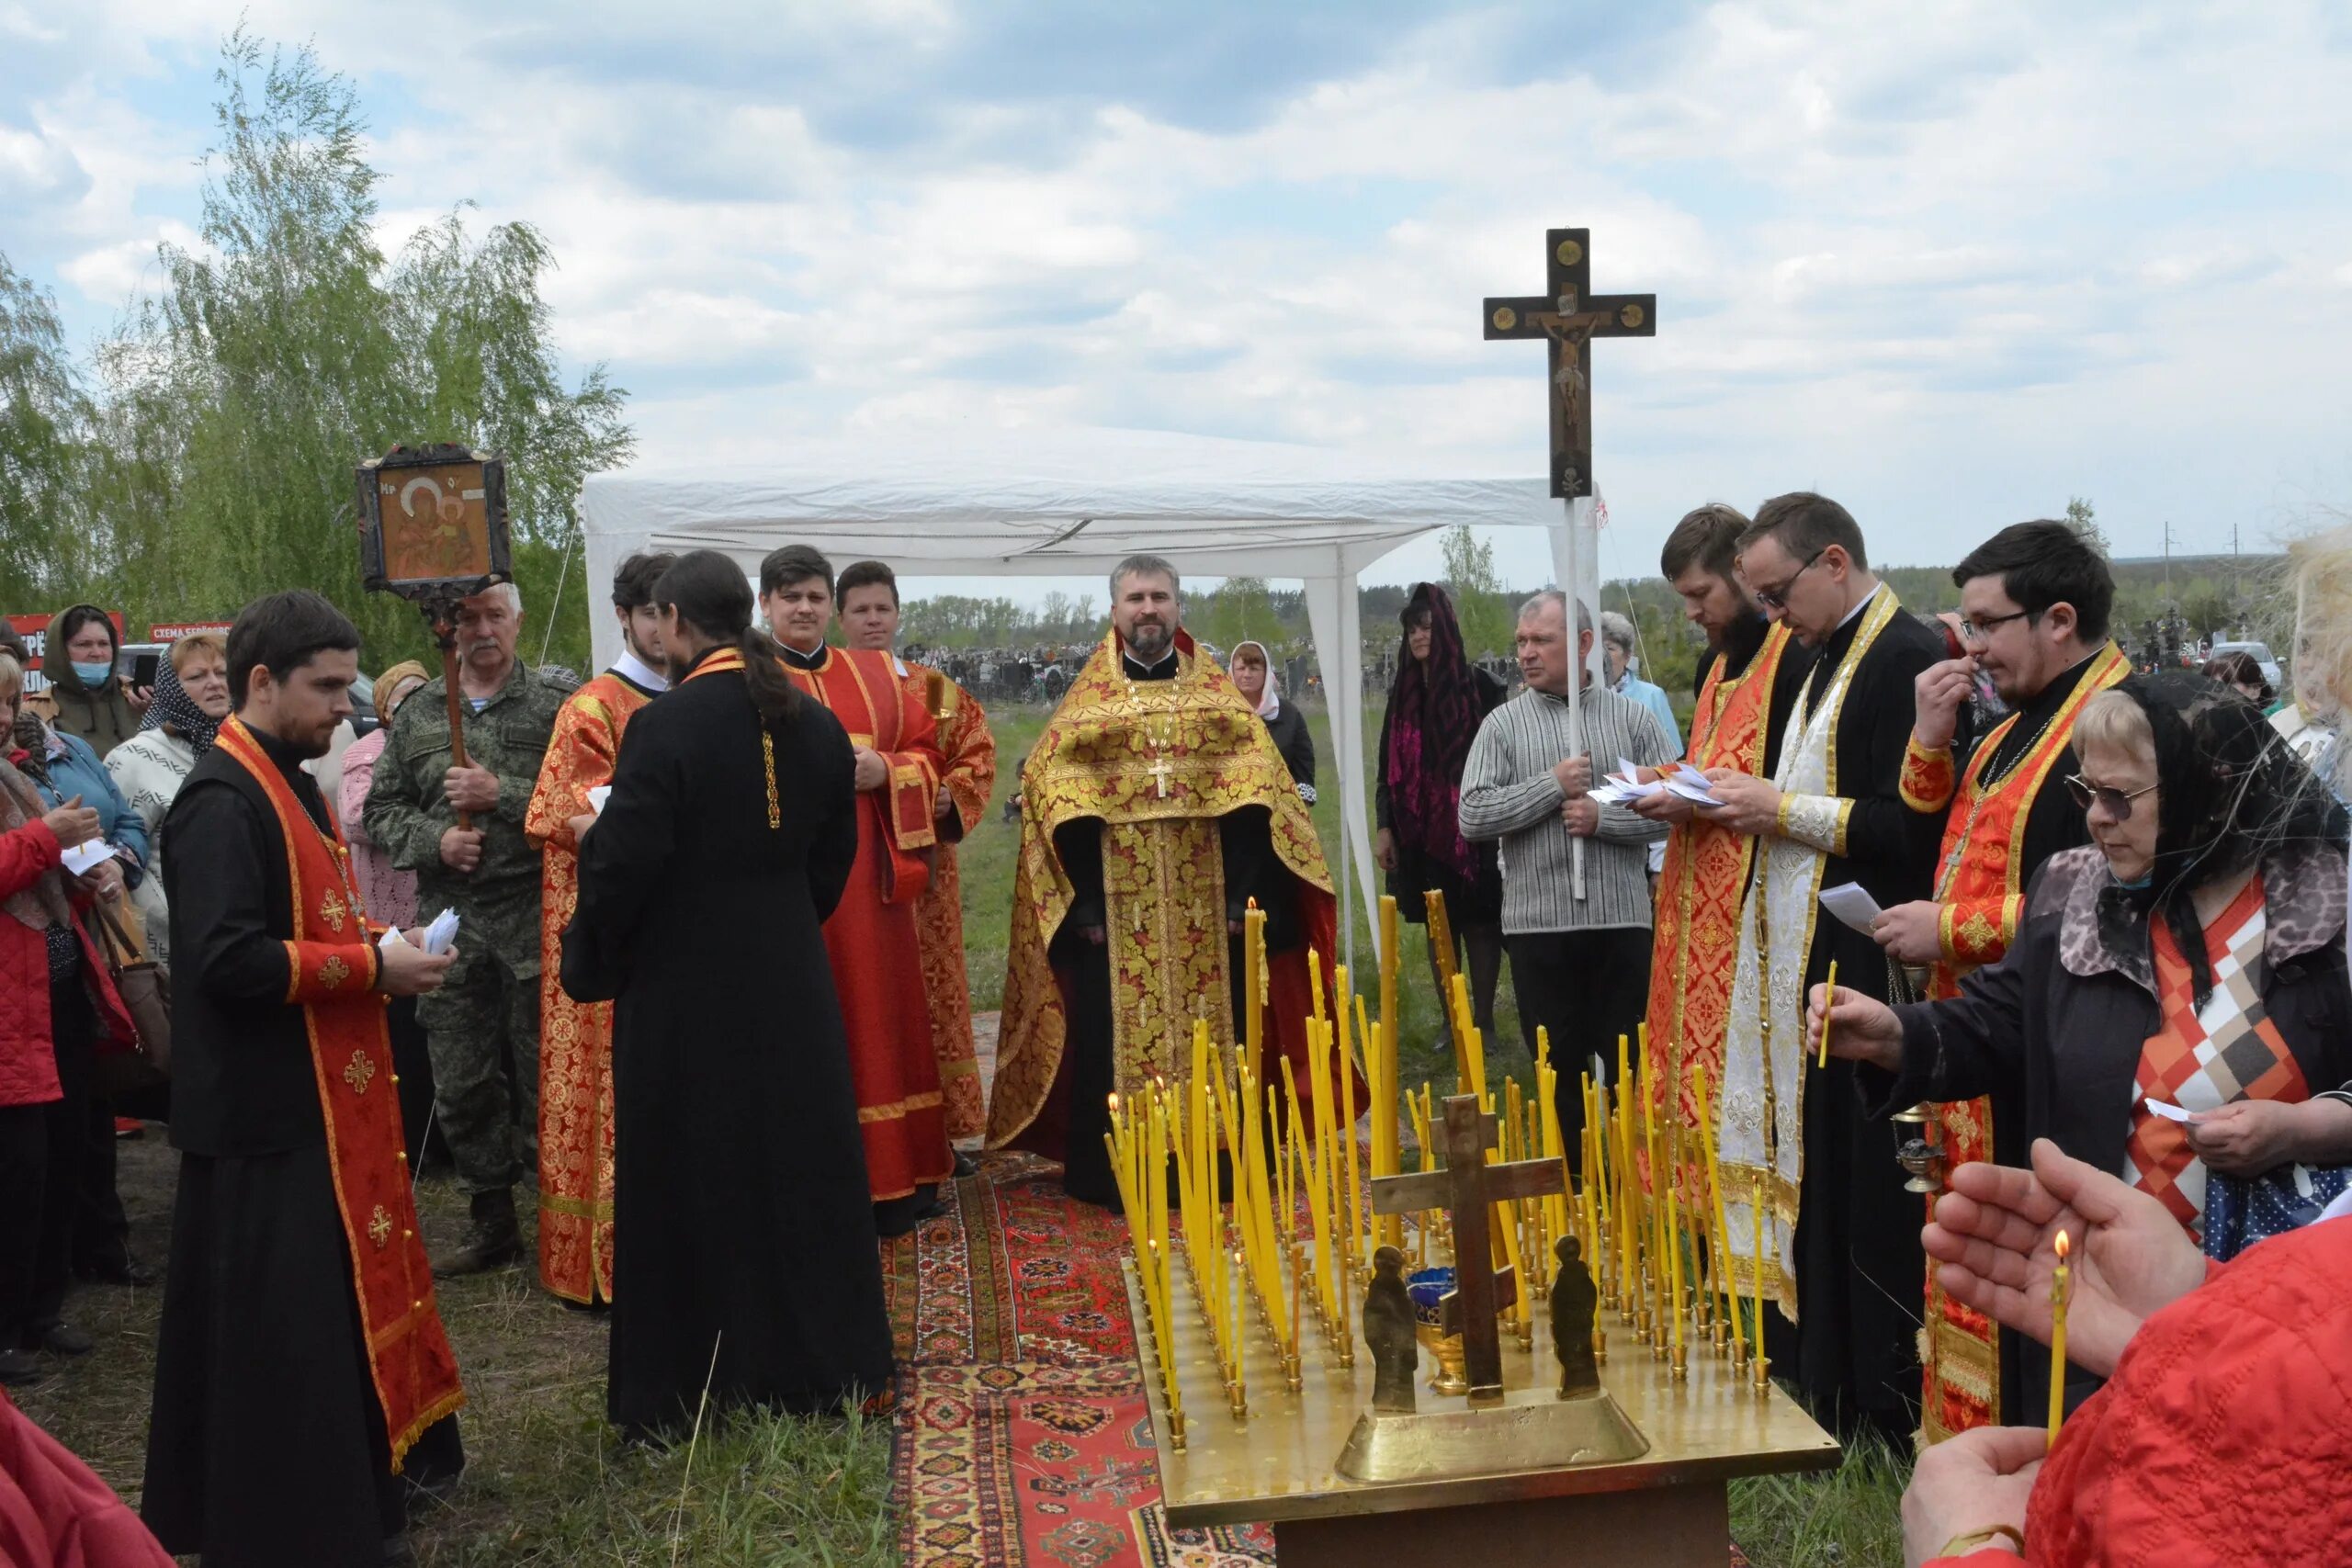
115	273
1953	264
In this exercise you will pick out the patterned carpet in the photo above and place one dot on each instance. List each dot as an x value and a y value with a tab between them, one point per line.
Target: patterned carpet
1022	1439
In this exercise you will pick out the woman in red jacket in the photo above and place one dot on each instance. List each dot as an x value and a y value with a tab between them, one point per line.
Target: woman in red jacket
2224	1432
56	1004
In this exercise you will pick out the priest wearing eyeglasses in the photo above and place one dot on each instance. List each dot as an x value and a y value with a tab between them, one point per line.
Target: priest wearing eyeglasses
1841	1238
2034	601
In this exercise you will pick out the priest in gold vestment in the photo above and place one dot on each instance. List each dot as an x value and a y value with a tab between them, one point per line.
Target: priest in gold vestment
869	596
576	1037
2034	603
1154	808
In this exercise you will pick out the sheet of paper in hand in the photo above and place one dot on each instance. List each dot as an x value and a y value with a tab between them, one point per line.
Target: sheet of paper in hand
597	795
1624	786
82	858
1852	904
436	939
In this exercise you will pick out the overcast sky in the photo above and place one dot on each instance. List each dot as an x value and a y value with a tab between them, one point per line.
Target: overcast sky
1950	264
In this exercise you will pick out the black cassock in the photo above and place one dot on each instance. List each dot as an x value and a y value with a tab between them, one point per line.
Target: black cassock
267	1443
1860	1269
741	1216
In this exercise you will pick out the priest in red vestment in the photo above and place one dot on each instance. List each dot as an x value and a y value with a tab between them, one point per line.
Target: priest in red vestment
302	1378
1154	809
871	937
576	1037
869	596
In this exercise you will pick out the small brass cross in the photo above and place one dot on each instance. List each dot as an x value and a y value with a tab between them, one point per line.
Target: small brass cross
1465	1188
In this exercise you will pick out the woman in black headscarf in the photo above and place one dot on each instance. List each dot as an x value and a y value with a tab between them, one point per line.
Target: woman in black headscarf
1435	705
2191	960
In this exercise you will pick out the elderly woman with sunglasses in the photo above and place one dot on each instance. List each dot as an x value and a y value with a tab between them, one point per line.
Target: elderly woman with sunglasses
2191	957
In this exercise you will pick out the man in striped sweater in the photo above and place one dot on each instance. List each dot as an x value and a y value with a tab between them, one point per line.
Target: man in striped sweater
1579	967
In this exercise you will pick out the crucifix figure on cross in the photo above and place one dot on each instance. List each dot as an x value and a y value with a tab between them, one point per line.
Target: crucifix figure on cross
1162	772
1569	317
1465	1188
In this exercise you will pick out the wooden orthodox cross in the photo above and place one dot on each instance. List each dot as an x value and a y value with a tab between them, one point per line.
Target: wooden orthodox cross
1465	1188
1569	316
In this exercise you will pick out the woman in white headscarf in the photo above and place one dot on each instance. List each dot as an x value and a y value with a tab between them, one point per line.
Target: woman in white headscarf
1253	671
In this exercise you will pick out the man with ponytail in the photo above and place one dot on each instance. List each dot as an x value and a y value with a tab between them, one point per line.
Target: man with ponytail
739	1176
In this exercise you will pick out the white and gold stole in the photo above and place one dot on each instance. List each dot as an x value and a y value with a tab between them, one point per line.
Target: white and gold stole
1760	1119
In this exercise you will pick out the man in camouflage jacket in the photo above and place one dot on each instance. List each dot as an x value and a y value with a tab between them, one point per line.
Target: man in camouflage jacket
483	1024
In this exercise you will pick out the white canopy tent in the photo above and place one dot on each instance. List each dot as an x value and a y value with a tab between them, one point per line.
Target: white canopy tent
1078	502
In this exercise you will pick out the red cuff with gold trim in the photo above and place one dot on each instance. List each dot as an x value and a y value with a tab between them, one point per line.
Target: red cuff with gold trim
1977	932
1928	777
329	971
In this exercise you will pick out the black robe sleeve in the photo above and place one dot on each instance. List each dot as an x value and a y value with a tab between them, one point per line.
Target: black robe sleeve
1873	732
221	904
624	859
1972	1044
1297	746
834	851
1380	808
1080	846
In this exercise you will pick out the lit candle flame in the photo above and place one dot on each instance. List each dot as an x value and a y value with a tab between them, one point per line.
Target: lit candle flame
2061	1246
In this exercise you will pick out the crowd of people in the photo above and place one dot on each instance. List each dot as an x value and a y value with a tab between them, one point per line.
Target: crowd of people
707	986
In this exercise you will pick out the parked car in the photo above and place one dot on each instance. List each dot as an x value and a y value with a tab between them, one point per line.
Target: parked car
2260	651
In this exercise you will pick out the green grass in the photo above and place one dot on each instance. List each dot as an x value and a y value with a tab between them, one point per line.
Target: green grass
547	1484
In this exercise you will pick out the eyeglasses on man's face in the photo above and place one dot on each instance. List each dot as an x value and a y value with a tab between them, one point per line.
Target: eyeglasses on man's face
2115	802
1980	629
1777	597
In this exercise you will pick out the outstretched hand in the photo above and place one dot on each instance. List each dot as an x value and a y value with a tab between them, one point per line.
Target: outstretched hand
1995	1238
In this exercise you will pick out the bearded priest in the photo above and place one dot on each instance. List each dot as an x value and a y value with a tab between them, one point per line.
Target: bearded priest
871	938
1154	810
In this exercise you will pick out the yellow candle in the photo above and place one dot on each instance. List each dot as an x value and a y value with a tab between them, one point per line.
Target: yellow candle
1715	1188
2058	1342
1347	1128
1755	1217
1238	1295
1674	1261
1315	982
1252	1013
1829	1000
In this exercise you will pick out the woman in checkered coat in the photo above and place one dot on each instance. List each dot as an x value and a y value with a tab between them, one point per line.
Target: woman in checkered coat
2190	959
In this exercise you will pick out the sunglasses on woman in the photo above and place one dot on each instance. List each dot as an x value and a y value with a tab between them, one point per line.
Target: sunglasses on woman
2116	802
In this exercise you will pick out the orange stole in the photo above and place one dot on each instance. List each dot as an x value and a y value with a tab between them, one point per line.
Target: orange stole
1981	884
332	968
871	938
969	777
1700	891
575	1038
